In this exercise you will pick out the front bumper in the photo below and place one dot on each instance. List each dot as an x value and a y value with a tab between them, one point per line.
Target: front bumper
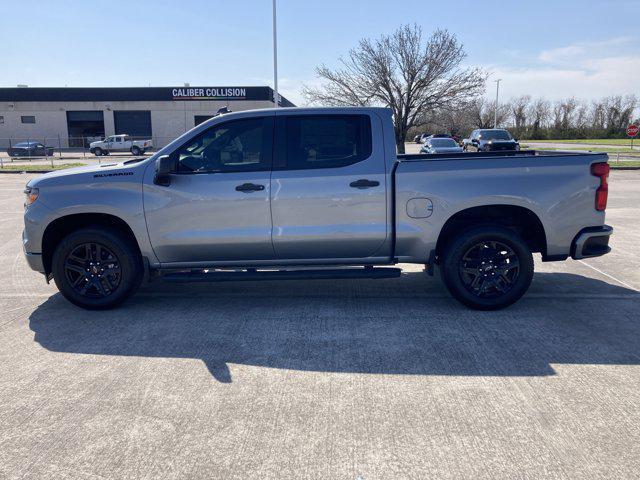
591	242
35	261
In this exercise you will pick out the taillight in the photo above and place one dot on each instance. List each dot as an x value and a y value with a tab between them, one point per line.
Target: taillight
601	170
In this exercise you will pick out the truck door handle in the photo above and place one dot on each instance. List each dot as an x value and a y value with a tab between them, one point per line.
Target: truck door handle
364	183
249	187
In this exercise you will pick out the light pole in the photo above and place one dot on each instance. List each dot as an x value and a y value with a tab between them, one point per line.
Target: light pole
495	112
276	97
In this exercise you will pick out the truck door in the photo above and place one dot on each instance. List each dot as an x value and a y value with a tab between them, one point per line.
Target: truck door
109	144
328	191
217	205
118	144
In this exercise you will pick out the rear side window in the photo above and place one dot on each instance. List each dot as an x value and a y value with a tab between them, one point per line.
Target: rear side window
324	141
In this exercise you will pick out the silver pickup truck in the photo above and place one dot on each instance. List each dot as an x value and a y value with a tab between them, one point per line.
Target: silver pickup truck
312	193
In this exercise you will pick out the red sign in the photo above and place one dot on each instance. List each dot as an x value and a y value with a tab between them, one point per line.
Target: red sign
632	130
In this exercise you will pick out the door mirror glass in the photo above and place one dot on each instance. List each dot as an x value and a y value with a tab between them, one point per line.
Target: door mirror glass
165	166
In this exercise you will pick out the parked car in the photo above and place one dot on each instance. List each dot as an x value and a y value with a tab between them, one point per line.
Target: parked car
119	143
29	149
440	145
423	137
312	193
416	139
489	140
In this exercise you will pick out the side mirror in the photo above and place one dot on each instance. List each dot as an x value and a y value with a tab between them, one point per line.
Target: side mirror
165	166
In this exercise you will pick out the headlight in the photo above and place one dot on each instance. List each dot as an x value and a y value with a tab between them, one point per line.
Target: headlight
31	195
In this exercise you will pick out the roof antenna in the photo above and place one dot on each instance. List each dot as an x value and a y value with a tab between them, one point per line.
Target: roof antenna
223	110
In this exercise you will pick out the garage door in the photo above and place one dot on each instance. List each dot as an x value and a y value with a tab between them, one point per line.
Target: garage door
136	123
84	126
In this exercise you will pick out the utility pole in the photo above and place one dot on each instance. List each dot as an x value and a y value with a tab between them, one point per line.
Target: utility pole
276	96
495	112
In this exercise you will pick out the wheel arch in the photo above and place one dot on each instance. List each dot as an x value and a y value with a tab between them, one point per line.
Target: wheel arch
62	226
520	219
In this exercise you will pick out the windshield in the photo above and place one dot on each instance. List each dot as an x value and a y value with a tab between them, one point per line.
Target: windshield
495	135
443	142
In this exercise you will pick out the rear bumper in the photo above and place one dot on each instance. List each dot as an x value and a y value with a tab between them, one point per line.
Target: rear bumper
591	242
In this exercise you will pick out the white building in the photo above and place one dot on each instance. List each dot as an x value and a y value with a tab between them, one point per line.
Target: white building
72	117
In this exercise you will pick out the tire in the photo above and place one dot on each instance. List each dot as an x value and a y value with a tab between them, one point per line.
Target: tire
97	268
487	267
98	152
136	151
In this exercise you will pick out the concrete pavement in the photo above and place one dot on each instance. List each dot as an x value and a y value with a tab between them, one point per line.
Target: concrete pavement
340	379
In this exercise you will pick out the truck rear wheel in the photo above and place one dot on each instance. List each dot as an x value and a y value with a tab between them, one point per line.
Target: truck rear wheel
97	268
487	268
136	151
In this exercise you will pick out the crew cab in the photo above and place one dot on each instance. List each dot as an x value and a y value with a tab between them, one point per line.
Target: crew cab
313	193
490	140
119	143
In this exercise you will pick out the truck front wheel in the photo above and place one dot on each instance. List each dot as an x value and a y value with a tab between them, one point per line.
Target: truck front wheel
97	268
98	152
487	268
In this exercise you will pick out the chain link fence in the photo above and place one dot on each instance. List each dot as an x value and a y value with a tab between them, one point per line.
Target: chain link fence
52	151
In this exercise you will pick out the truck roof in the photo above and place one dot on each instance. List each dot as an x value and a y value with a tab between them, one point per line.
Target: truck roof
311	109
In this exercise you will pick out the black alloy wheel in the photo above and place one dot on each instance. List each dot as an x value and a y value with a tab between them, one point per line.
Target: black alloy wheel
97	267
489	269
93	270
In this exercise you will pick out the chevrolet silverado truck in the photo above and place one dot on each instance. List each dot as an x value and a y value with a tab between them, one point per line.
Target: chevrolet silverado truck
119	143
313	193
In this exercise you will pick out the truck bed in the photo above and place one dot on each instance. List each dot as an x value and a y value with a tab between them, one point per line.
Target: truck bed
557	187
407	157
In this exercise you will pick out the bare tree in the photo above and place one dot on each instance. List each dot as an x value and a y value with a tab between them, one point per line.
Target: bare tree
481	113
519	108
539	115
401	71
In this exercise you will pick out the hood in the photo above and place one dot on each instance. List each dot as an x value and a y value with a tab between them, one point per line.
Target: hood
89	174
95	143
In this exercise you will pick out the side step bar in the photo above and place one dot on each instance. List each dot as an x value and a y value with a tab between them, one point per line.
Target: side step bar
253	275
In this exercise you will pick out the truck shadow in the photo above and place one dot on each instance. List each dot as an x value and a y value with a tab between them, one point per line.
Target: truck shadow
408	326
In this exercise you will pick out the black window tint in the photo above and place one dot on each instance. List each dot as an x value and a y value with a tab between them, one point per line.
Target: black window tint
326	141
28	119
236	146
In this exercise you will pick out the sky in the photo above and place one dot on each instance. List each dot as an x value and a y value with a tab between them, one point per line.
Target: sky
554	49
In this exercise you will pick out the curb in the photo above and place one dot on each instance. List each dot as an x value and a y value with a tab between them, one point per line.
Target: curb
25	171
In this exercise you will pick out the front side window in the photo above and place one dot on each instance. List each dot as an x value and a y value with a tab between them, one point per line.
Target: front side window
326	141
235	146
28	119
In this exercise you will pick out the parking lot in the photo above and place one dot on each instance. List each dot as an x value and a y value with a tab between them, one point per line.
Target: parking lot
335	379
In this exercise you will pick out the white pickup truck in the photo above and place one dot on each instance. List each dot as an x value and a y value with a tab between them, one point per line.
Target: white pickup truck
119	143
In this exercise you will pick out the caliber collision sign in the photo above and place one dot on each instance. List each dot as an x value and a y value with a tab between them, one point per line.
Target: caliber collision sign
210	93
632	130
